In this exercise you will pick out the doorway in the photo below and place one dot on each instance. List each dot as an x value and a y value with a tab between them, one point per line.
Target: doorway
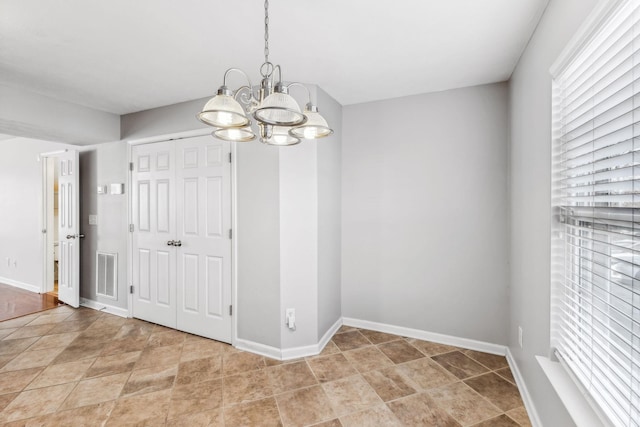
52	253
60	225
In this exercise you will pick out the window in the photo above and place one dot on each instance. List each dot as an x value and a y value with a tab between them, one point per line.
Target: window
596	198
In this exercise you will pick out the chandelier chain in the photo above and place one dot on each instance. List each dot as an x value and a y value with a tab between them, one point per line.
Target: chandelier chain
266	31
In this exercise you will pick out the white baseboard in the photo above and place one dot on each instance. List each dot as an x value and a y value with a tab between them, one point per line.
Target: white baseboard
467	343
21	285
312	350
329	334
118	311
524	392
289	353
257	348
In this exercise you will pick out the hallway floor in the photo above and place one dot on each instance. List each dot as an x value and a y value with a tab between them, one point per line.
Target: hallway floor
15	302
87	368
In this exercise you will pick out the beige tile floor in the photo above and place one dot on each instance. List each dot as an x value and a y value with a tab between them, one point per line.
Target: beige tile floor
67	367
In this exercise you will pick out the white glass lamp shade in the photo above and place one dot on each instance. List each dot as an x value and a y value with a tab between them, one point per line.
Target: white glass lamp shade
223	111
279	109
235	134
281	137
315	127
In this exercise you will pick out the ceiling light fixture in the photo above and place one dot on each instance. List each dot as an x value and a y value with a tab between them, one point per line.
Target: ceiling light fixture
279	119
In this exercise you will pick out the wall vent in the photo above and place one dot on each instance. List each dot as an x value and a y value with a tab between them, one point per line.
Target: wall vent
107	274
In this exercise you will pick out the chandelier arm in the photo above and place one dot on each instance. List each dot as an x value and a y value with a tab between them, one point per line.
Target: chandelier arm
279	68
224	80
301	85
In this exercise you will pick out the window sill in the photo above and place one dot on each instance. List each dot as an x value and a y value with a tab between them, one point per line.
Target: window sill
576	402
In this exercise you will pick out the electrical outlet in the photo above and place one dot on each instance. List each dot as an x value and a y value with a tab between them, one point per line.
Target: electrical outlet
520	336
290	318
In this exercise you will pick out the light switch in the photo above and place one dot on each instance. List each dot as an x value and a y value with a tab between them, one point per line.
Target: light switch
102	189
93	219
117	189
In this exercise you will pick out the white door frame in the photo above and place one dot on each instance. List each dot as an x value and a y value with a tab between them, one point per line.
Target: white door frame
44	215
234	222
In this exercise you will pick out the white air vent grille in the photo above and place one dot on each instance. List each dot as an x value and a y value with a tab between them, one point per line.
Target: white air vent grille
107	274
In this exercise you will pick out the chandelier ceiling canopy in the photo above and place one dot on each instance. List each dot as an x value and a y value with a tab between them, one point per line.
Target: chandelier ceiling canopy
279	120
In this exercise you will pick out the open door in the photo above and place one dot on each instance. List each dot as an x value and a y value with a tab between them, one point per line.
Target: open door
69	229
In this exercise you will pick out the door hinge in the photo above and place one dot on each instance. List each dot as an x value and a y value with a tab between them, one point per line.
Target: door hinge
230	233
131	166
230	310
130	228
229	157
131	289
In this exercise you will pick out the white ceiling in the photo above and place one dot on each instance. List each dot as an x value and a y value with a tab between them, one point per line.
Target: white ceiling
123	56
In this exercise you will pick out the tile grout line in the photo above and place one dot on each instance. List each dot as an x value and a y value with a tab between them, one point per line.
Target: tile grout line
266	369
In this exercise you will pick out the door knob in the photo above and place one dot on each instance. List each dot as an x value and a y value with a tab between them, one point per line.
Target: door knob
70	236
171	243
177	243
81	236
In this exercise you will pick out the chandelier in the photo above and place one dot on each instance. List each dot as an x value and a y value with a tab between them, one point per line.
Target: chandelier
279	120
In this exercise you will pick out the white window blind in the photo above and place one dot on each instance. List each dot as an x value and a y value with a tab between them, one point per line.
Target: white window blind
596	195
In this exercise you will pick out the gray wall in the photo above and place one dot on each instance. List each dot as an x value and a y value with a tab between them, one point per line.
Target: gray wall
425	211
530	181
310	229
298	182
329	154
258	242
163	120
102	165
258	229
279	262
21	209
28	114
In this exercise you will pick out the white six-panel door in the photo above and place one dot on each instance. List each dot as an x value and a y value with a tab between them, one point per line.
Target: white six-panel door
153	209
197	263
203	223
69	229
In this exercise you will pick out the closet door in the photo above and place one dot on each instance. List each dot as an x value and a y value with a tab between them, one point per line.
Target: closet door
154	256
203	189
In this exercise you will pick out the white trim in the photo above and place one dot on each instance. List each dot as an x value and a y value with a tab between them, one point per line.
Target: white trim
467	343
51	154
581	407
234	243
329	334
298	352
21	285
111	309
129	253
314	349
170	136
257	348
289	353
47	273
524	392
583	35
